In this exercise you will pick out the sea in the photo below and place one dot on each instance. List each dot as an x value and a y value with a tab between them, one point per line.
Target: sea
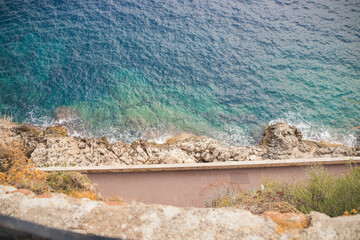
151	69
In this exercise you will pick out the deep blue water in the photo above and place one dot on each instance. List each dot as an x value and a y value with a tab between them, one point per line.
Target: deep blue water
150	69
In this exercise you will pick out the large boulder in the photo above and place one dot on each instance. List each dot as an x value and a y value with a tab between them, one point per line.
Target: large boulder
281	139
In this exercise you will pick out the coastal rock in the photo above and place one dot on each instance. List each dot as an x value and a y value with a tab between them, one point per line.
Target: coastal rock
71	151
52	147
280	140
283	141
30	136
210	150
56	131
357	151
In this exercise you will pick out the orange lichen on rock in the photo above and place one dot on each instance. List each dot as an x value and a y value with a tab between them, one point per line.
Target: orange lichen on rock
286	221
44	196
116	203
85	194
26	192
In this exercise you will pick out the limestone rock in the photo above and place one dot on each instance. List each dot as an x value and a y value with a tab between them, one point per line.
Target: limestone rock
139	221
30	136
7	188
281	139
357	151
52	147
284	141
337	228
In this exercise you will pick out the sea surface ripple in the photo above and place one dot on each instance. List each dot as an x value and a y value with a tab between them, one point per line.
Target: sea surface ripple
151	69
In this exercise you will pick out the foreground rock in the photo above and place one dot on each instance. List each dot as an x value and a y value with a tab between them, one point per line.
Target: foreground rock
52	147
138	221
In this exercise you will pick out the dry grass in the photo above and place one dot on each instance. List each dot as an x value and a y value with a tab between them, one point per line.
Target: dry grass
256	202
228	194
6	120
5	124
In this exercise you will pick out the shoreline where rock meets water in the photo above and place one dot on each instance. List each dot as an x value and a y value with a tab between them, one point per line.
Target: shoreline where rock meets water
53	147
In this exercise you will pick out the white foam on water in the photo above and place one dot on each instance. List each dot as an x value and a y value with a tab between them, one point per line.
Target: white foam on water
234	135
316	133
231	135
161	139
35	117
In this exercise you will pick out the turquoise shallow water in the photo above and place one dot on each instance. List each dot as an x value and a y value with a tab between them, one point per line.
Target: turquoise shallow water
150	69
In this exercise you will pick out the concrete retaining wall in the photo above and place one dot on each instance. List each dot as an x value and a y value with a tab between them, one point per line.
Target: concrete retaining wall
194	184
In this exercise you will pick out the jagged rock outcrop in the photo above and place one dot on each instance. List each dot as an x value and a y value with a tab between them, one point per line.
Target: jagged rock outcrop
53	147
281	139
284	141
139	221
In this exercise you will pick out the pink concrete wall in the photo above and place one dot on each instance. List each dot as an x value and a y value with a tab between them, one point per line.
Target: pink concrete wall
191	187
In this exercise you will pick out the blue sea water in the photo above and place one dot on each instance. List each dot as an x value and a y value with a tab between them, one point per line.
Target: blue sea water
151	69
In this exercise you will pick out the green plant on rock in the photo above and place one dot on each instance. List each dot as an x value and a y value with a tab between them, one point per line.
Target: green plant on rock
66	182
322	192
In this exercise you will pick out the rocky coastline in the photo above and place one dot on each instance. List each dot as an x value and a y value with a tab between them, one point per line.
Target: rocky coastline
53	147
132	220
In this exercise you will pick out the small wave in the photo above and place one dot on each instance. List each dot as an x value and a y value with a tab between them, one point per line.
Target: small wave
230	135
314	132
161	139
36	117
235	136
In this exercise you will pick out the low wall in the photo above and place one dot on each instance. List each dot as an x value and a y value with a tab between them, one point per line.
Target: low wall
194	184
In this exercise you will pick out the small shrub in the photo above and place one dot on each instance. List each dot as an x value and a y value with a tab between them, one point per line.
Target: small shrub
17	170
67	182
226	200
322	192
